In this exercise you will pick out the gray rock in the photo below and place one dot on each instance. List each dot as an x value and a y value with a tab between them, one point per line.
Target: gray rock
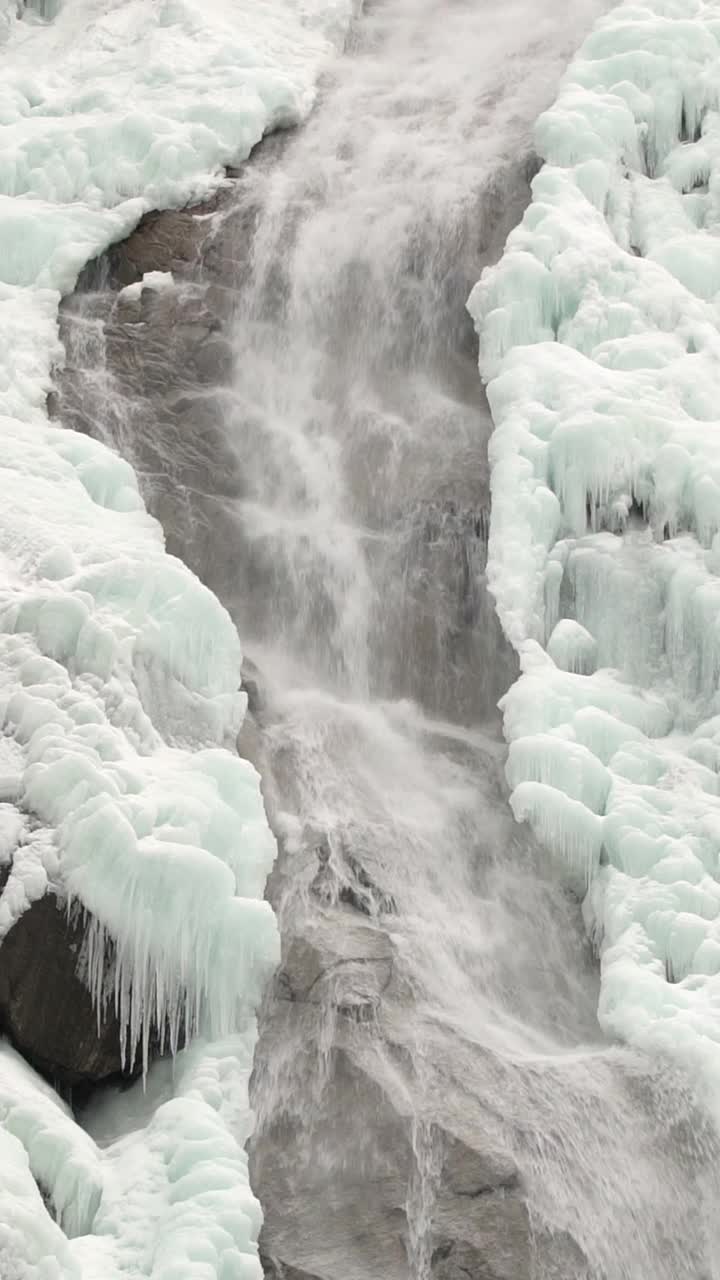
367	1162
360	1190
276	1270
252	684
346	972
249	742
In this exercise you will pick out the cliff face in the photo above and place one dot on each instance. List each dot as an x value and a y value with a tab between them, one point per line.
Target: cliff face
368	1158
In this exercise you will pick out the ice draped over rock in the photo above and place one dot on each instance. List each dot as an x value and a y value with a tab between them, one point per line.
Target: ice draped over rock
119	671
600	341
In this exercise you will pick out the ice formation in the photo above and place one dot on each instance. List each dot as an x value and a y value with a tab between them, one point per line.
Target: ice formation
119	672
600	341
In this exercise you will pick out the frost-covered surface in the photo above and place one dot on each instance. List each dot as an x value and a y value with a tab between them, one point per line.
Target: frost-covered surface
119	672
112	106
600	340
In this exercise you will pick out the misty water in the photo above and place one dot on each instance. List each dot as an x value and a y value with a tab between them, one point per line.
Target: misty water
342	514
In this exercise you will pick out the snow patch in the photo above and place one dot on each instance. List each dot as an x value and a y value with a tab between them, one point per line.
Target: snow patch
156	281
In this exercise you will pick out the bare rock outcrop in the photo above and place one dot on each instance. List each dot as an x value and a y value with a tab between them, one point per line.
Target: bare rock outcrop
45	1007
368	1162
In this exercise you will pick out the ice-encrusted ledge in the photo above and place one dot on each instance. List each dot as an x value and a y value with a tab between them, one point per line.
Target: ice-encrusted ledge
119	671
600	341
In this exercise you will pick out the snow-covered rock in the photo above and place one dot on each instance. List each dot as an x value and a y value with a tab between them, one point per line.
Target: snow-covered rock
119	671
600	340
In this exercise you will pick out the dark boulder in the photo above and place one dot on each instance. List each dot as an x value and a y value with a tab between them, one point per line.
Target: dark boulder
45	1008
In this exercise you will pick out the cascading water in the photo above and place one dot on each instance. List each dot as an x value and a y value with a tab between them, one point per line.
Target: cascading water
433	1094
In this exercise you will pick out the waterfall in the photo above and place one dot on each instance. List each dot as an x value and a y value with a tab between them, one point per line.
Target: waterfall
433	1094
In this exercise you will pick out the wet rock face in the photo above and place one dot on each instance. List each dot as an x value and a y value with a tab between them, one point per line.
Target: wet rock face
45	1008
370	1159
365	1169
148	375
160	377
168	241
142	374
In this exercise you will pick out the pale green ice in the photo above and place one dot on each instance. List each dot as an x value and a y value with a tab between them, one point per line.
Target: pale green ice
119	671
600	341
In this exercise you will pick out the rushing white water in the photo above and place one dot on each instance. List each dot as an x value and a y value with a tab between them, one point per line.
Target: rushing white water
351	551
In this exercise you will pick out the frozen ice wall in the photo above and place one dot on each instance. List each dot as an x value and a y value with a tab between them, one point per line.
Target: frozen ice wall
119	672
599	336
